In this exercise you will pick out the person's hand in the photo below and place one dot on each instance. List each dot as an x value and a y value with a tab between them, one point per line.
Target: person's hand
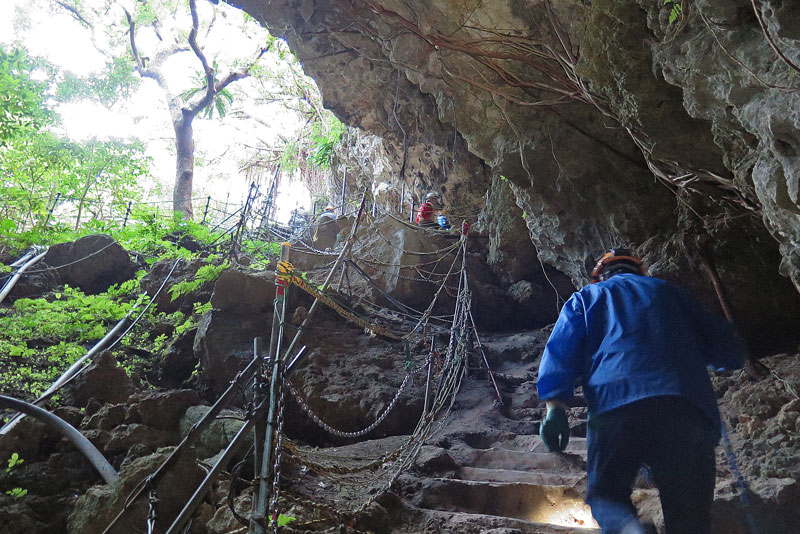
554	429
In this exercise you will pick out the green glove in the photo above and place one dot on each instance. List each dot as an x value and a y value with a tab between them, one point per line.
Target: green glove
555	429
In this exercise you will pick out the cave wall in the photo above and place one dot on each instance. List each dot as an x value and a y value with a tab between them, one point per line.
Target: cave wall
611	125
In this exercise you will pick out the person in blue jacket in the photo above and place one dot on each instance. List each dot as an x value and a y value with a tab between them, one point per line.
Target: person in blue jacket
640	348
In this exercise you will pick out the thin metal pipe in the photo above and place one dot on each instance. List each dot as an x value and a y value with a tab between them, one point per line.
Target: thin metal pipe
296	358
344	189
85	446
258	399
485	359
212	475
428	379
22	260
278	316
13	281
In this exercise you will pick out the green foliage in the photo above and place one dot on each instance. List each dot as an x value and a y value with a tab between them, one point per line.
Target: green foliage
14	461
323	139
284	520
315	146
21	98
205	274
17	493
113	84
219	102
676	9
146	232
39	338
37	167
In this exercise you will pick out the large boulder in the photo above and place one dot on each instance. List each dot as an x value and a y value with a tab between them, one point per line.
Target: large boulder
405	261
103	381
242	305
92	263
217	435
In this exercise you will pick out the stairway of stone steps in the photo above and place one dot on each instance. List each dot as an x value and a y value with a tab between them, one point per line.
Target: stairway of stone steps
488	470
481	475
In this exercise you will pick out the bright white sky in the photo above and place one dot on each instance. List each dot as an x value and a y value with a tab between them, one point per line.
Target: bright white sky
219	144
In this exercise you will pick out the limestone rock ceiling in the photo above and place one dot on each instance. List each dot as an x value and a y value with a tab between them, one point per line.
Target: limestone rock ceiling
611	124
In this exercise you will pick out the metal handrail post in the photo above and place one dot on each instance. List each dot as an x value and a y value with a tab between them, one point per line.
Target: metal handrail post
344	189
283	276
428	379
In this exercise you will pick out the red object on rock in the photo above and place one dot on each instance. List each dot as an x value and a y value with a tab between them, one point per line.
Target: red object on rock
425	213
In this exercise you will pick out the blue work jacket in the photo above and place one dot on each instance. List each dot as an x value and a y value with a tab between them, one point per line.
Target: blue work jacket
633	337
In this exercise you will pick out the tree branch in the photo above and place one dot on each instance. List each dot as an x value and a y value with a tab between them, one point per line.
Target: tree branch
76	14
140	66
207	70
212	88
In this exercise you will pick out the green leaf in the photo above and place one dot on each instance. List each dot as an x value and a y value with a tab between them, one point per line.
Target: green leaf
284	520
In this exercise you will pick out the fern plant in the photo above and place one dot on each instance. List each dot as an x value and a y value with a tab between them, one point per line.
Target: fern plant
675	9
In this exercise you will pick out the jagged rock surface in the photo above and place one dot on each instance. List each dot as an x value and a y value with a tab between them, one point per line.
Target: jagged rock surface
627	129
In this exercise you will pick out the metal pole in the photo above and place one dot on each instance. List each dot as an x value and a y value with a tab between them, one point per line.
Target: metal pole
50	212
127	214
205	212
403	199
23	259
485	359
12	282
428	379
94	456
212	475
258	400
327	281
283	276
411	215
344	188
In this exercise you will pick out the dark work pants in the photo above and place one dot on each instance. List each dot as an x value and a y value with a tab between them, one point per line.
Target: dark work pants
676	440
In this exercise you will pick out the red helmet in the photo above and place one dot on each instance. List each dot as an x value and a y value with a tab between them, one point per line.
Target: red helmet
618	257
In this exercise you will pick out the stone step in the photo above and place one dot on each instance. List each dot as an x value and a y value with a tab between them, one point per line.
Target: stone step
516	460
484	523
557	505
541	478
533	443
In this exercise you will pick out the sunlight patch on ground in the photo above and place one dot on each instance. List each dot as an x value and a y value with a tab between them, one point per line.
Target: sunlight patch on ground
566	512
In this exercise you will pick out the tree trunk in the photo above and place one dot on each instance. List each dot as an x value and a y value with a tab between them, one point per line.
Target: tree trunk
184	173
